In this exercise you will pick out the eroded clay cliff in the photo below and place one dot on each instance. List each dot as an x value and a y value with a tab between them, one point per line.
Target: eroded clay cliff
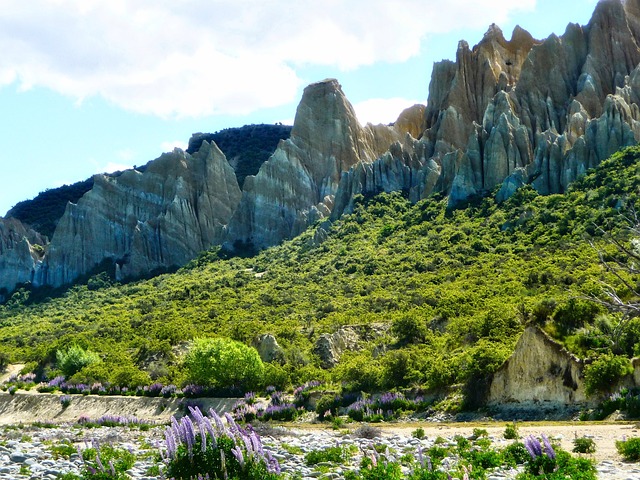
505	112
539	371
520	110
145	221
21	253
297	185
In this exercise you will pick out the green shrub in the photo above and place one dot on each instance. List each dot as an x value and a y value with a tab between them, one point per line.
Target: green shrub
629	449
329	454
604	373
574	314
584	445
328	404
63	450
511	431
223	363
99	459
277	376
418	433
515	454
409	329
74	359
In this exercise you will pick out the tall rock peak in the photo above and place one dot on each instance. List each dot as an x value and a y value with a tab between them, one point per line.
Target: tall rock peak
297	185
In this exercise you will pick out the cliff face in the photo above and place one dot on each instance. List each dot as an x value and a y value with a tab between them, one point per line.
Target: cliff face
297	185
505	112
519	110
540	370
144	221
21	252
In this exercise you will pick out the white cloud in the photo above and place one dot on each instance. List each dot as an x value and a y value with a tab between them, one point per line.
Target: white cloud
126	154
382	110
202	57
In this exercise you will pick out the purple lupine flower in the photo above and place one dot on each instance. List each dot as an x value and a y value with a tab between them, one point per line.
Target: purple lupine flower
532	444
216	418
177	432
237	452
111	467
98	460
189	434
273	466
257	444
171	443
420	456
203	437
57	381
548	448
248	446
231	423
209	427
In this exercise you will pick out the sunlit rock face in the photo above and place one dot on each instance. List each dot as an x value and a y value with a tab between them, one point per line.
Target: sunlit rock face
21	252
298	184
544	111
504	114
146	221
540	370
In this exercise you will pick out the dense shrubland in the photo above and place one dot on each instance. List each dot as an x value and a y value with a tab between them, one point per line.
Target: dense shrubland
455	287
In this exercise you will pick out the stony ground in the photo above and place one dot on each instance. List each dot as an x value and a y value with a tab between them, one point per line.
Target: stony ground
26	452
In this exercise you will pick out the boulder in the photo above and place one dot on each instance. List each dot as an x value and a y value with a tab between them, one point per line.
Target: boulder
330	346
268	348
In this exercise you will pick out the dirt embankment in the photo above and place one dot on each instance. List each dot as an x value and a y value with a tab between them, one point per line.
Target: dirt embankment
27	407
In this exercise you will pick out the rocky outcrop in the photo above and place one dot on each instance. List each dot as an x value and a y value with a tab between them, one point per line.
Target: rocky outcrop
21	253
297	185
540	112
146	221
540	370
330	346
268	348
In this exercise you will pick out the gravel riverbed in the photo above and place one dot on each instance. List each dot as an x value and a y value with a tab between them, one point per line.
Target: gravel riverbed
26	451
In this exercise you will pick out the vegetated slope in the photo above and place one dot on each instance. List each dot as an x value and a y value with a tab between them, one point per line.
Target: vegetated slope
246	148
456	286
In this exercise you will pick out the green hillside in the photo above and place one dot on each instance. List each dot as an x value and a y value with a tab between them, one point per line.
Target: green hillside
455	287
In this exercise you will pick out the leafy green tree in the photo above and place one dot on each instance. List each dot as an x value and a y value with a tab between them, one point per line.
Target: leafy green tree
74	359
605	372
223	363
409	329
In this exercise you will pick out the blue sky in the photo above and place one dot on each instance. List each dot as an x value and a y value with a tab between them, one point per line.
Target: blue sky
89	86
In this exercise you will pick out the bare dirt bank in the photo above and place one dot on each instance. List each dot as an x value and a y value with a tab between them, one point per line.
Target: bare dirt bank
27	407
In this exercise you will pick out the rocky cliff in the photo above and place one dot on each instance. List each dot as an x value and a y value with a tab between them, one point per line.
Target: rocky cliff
21	252
539	371
297	185
520	110
145	221
505	112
